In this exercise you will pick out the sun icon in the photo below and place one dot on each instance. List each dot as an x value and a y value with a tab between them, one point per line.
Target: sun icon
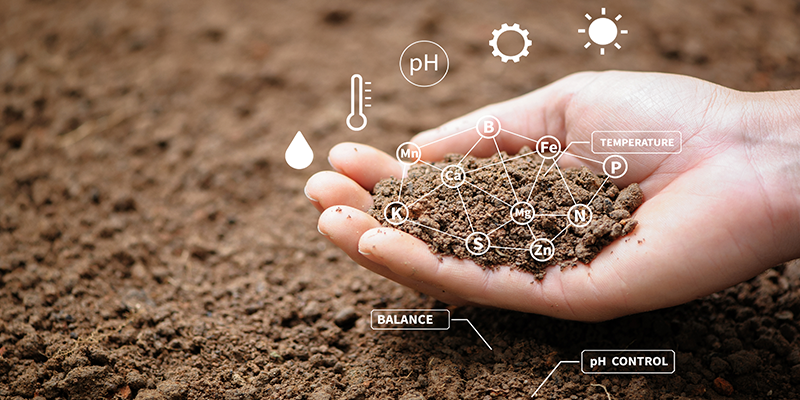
603	31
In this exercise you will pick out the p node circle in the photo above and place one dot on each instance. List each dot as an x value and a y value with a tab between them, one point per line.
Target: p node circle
408	153
579	215
488	127
522	213
453	176
542	250
548	147
615	166
395	213
477	243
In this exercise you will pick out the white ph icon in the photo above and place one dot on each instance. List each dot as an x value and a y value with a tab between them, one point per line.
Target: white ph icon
299	154
357	102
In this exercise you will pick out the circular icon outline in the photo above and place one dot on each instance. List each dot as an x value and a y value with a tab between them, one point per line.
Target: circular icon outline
400	63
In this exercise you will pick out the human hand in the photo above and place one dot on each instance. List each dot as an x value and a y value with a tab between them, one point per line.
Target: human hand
721	211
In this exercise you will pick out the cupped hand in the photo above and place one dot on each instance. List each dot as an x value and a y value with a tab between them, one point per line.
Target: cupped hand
709	219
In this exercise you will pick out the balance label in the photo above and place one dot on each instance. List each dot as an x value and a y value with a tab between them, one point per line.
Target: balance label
620	362
636	142
410	320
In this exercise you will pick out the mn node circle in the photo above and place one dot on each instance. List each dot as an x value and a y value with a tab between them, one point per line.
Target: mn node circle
408	153
579	215
542	250
548	147
488	127
615	166
522	213
395	213
453	176
477	243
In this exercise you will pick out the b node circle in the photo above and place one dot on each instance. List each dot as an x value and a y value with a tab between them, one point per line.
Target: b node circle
477	243
522	213
488	127
548	147
453	176
579	215
542	250
395	213
408	153
615	166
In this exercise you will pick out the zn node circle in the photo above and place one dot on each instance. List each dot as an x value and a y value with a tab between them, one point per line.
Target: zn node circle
522	213
542	250
488	127
408	153
397	217
453	176
477	243
577	215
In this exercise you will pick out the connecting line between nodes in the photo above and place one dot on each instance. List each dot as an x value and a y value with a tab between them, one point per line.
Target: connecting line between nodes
534	182
473	328
598	191
446	137
493	196
551	373
511	184
465	208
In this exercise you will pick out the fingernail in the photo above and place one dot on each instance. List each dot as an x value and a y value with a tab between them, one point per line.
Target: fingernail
305	192
364	253
332	166
321	232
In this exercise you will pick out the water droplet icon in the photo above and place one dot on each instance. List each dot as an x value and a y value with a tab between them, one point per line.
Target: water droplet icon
299	154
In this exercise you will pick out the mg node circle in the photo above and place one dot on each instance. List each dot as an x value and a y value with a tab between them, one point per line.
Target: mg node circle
408	153
615	166
548	147
542	250
395	213
453	176
579	215
488	127
522	213
477	243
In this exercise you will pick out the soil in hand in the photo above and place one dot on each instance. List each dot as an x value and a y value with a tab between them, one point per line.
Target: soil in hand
444	216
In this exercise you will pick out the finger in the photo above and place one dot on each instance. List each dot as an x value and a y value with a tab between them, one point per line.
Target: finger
344	226
364	164
327	189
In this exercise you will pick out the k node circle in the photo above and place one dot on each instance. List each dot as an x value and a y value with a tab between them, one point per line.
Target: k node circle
395	213
477	243
542	250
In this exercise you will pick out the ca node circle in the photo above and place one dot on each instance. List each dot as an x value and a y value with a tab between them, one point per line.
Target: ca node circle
488	127
542	250
395	213
522	213
477	243
453	176
579	215
548	147
408	153
615	166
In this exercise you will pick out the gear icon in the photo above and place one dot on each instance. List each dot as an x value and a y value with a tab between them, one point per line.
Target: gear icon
503	29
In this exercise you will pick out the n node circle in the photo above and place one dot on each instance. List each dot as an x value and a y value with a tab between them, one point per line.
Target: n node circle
548	147
477	243
488	127
522	213
408	153
542	250
399	213
579	215
453	176
615	166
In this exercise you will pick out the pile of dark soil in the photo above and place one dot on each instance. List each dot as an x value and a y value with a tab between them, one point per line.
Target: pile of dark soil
443	217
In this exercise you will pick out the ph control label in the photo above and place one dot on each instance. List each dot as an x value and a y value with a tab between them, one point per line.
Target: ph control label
622	362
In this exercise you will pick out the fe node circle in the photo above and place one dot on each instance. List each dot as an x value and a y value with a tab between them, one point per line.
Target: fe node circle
395	213
579	215
542	250
522	213
615	166
453	176
548	147
477	243
488	127
408	153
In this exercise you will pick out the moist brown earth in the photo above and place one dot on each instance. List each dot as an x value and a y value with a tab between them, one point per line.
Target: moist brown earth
155	245
444	217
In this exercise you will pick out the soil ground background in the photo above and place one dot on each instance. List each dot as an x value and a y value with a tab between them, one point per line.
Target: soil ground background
155	245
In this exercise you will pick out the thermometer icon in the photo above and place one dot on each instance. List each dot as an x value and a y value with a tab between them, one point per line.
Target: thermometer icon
357	99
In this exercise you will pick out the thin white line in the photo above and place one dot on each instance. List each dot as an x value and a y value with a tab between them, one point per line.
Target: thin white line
465	208
446	137
399	192
430	165
584	158
470	150
518	135
534	182
477	187
532	234
476	331
551	373
493	164
495	229
559	157
565	184
426	195
551	215
507	248
559	233
598	191
579	142
434	229
506	169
